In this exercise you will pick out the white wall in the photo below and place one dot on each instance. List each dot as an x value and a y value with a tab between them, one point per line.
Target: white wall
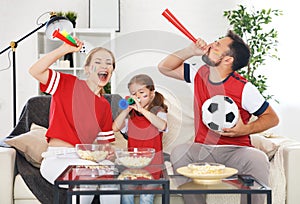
283	75
18	18
145	38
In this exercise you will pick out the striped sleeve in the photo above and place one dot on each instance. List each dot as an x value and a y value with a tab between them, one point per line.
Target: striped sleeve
51	86
253	101
106	134
105	137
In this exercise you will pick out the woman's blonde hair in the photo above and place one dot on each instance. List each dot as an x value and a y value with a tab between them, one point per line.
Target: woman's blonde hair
88	58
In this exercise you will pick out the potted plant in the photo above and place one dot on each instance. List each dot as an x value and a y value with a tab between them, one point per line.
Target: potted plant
71	15
252	26
107	88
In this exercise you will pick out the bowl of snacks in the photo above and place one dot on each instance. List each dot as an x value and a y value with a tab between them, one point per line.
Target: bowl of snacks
135	157
93	152
206	168
206	173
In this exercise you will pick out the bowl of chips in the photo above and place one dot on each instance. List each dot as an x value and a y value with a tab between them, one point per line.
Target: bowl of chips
206	168
93	152
135	157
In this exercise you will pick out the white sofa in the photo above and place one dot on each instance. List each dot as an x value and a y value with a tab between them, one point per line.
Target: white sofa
284	176
14	190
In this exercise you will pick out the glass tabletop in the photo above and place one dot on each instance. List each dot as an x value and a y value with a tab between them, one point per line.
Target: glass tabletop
181	184
112	179
111	174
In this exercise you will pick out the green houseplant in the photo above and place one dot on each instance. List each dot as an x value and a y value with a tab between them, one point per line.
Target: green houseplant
71	15
107	88
252	26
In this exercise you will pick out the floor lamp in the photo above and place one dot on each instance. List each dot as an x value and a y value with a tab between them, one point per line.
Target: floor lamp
55	23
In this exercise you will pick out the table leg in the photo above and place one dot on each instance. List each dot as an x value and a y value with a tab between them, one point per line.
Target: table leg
249	198
69	198
166	194
56	194
269	197
78	199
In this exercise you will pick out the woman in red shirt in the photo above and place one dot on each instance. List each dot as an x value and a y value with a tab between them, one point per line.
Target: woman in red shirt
79	113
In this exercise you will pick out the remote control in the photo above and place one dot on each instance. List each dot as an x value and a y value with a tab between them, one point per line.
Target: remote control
247	180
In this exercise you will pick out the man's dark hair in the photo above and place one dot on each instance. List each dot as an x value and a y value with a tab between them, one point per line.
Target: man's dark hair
239	50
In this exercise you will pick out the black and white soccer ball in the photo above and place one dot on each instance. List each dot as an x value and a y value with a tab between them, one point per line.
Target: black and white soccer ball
219	112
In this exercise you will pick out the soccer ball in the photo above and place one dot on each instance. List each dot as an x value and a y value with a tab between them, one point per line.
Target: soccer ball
219	112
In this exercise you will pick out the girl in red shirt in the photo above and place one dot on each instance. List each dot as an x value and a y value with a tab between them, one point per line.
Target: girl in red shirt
144	122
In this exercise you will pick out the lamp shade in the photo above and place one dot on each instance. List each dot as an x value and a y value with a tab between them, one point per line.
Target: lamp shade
58	23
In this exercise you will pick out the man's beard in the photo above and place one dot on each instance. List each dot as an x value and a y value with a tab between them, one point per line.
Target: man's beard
209	62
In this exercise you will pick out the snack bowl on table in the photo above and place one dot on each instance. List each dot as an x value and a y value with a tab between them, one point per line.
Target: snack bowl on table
206	173
135	157
206	168
93	152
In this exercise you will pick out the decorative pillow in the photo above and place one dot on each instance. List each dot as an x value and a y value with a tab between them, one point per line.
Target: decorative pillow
267	145
31	144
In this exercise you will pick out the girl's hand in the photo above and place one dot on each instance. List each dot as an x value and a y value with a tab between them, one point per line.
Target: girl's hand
111	154
137	106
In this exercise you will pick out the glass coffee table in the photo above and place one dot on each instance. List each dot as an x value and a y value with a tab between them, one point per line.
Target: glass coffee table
90	179
231	185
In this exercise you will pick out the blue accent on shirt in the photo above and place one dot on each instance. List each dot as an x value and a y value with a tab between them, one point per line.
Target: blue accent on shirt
262	109
186	72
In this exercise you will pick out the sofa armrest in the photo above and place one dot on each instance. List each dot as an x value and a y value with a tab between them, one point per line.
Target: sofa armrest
7	161
290	151
291	157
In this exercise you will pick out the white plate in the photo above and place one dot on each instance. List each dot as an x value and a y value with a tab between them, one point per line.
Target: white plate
206	178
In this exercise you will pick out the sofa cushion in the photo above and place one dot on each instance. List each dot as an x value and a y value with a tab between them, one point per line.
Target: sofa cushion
265	144
31	144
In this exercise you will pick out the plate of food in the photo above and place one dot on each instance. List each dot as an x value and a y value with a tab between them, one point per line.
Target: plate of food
206	173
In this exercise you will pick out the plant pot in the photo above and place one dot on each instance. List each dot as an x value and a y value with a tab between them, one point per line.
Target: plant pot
69	57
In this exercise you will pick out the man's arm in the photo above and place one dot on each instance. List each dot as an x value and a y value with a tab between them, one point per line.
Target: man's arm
172	65
265	121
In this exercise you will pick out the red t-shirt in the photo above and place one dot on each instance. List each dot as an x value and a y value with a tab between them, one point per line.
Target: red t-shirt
76	115
141	133
234	87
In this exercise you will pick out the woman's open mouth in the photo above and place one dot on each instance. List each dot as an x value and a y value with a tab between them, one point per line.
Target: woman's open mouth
102	75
